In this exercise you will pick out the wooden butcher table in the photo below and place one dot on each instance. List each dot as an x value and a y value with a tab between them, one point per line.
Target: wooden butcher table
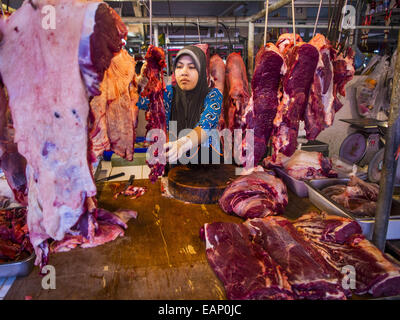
161	255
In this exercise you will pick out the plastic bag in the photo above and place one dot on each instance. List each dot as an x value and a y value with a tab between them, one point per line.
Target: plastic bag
370	91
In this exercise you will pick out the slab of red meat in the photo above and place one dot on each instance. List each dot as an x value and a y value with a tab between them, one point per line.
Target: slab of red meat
258	194
217	75
320	111
344	70
12	162
261	110
114	111
302	62
310	276
236	95
341	244
108	227
359	197
154	91
101	37
244	267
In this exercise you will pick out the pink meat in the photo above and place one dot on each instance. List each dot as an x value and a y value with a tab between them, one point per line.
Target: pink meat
12	162
343	72
114	112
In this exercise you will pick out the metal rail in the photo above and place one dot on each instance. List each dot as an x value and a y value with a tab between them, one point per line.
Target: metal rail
388	172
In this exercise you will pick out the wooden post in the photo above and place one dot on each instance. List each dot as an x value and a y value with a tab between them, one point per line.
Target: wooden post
250	50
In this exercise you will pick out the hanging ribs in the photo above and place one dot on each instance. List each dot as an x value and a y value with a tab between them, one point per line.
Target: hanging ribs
154	90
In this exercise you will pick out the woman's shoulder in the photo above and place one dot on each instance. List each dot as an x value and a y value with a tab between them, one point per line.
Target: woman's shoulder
214	94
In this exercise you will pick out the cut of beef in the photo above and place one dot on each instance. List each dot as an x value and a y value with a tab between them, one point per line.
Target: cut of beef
236	95
320	111
302	62
217	74
114	112
261	111
256	195
244	267
310	276
155	116
286	42
340	242
101	37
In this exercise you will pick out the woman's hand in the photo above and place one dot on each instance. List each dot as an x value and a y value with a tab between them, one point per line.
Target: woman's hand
175	149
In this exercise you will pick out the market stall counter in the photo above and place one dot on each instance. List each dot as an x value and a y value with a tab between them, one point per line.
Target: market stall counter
161	255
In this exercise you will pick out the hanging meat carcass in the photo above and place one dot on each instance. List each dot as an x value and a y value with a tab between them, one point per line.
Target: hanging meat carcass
301	61
217	74
236	95
155	116
114	112
261	110
320	111
47	86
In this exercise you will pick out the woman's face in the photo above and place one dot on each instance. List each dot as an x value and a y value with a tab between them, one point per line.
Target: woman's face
186	73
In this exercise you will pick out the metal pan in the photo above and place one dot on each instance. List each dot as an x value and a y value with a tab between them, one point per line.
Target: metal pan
17	269
326	204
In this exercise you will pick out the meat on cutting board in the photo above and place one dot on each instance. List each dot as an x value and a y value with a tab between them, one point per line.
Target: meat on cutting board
341	244
155	116
244	267
258	194
261	110
296	88
236	95
114	111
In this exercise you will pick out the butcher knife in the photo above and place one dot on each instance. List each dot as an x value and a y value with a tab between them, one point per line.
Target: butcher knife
111	177
129	183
